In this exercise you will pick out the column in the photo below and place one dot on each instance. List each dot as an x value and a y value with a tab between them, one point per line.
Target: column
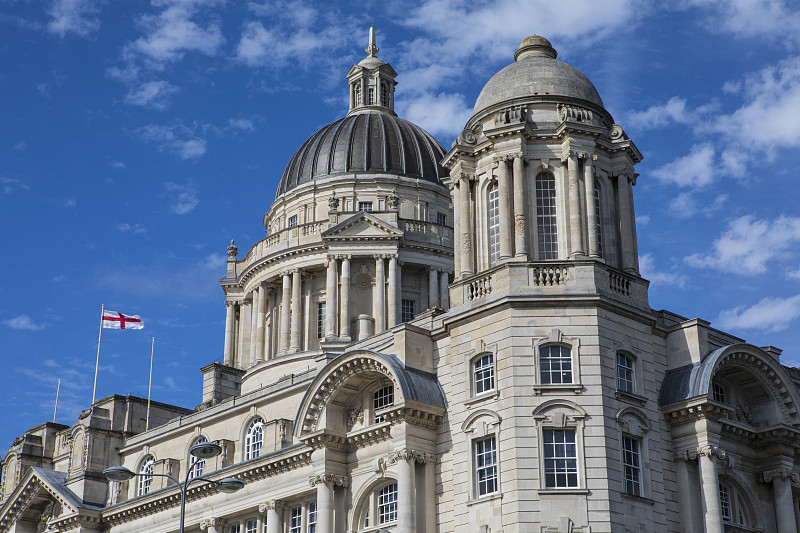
268	319
430	493
433	287
379	296
262	313
782	498
456	228
274	512
212	525
394	292
344	319
591	211
285	299
406	517
324	504
228	351
625	223
330	298
464	226
520	205
709	488
444	299
502	196
297	313
575	215
253	326
684	494
241	324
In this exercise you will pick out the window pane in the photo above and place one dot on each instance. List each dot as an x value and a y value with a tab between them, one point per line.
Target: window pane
312	517
625	373
408	310
560	458
546	220
365	206
145	477
725	501
321	320
387	504
631	463
486	466
254	439
197	469
296	520
252	526
494	225
382	398
599	227
555	364
483	374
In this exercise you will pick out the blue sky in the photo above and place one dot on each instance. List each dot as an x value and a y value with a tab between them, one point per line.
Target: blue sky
138	138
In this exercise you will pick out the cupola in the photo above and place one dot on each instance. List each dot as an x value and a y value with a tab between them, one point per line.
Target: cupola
371	82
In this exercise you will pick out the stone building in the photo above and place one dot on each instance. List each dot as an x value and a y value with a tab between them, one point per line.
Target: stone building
442	341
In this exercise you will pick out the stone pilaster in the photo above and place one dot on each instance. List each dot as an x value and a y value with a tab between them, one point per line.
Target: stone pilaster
781	479
344	321
575	211
297	311
274	511
465	225
591	213
444	299
520	209
502	196
230	309
394	292
433	287
626	224
286	297
379	295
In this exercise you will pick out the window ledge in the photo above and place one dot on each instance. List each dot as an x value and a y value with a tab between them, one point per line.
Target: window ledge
491	395
564	491
630	397
575	388
638	498
486	498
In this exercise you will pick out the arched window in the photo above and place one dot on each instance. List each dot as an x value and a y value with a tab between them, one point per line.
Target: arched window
145	476
599	224
254	439
380	509
494	224
546	220
197	469
483	374
732	505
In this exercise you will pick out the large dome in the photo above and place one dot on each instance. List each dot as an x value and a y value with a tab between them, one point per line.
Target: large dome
366	142
536	72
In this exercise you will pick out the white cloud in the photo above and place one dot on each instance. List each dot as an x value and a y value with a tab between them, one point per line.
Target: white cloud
118	164
774	20
20	146
660	115
183	198
686	205
642	220
23	322
243	124
131	228
11	185
648	269
694	170
216	261
439	114
178	139
770	314
154	94
749	244
73	16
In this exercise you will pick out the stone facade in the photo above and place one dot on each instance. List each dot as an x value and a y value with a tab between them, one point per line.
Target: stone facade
430	341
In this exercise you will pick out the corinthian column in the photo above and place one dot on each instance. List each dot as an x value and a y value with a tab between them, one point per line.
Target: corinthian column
575	215
254	326
502	196
406	516
274	511
228	351
684	493
520	206
297	313
285	302
591	210
709	488
626	224
269	317
464	226
782	497
344	320
330	298
379	296
394	292
260	319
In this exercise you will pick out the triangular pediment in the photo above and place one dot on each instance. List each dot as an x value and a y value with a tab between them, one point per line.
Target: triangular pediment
362	226
40	497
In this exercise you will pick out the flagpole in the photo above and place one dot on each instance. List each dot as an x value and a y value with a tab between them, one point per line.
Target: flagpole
97	362
55	411
150	385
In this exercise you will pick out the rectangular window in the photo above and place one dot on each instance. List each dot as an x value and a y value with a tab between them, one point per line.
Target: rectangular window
483	374
546	219
441	219
408	310
631	461
725	502
321	320
560	458
494	225
236	528
296	520
384	95
486	466
383	397
717	392
293	221
599	220
252	526
312	517
625	373
555	364
387	504
365	206
371	93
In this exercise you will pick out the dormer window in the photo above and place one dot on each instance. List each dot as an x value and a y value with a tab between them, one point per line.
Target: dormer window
718	392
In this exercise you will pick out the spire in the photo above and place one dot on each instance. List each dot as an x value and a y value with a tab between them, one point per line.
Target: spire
372	49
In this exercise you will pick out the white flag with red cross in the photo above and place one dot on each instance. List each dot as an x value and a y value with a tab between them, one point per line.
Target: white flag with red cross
115	320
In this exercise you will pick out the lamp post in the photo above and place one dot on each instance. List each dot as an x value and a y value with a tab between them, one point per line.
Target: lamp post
200	451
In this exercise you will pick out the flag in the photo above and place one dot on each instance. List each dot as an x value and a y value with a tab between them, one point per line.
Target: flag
115	320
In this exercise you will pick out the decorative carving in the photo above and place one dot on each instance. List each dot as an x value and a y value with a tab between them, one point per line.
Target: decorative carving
511	115
392	201
210	522
336	480
574	113
617	133
467	137
232	250
743	412
779	473
355	414
52	510
519	222
333	202
466	243
271	505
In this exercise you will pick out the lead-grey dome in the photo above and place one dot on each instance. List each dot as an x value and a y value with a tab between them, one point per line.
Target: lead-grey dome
366	143
536	72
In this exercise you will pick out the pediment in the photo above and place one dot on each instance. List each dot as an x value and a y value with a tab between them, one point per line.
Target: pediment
40	498
362	227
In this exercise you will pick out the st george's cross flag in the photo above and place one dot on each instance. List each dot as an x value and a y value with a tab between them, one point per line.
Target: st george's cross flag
115	320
